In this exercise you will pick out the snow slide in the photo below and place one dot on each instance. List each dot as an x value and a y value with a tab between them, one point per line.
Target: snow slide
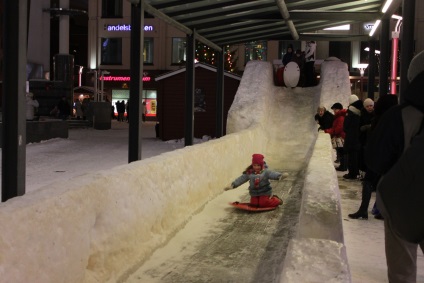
103	227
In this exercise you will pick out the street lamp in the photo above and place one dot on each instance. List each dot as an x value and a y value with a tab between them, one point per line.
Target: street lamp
79	75
361	68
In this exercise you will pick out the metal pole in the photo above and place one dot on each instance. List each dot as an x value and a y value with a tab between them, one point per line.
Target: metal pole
371	70
102	84
14	86
220	95
64	29
95	93
189	104
79	75
393	76
136	66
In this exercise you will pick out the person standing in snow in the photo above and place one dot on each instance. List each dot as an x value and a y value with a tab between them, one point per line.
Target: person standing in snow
64	108
388	142
352	144
260	189
143	115
299	59
78	109
370	180
367	116
287	58
336	133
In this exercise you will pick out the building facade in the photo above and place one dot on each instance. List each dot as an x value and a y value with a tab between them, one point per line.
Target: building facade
108	44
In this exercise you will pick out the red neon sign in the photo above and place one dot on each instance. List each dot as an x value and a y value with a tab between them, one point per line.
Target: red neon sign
121	79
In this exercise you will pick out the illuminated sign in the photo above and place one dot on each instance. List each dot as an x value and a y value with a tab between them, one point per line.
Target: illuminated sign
368	26
125	28
121	79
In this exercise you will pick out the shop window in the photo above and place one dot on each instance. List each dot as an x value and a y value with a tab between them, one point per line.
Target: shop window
148	51
111	51
178	50
111	8
148	96
255	51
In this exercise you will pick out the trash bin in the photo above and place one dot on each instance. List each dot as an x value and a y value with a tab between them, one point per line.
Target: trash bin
101	116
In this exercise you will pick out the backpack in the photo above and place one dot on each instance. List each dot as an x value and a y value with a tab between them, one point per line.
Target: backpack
401	192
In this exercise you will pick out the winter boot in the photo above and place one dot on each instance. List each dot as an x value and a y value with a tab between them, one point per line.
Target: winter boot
359	214
343	160
375	210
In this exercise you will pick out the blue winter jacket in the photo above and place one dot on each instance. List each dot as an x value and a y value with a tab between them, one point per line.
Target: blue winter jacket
259	184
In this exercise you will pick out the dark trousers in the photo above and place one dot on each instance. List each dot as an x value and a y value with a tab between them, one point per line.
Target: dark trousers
353	163
310	79
401	256
369	185
342	158
367	190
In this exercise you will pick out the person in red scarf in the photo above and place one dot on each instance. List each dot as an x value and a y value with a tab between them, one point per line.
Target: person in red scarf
337	133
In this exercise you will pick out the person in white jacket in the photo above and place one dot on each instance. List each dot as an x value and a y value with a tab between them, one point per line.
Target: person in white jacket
31	104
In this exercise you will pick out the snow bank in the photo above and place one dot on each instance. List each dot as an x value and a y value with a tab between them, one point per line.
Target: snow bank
317	253
304	262
101	226
321	212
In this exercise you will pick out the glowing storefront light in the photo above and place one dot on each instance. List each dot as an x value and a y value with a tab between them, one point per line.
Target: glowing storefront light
122	79
125	27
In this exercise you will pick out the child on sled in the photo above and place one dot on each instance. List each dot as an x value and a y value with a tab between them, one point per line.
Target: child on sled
260	189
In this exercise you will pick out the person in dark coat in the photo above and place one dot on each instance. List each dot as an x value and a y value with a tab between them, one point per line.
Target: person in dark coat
370	181
120	108
288	56
324	118
386	145
352	144
64	108
299	59
367	116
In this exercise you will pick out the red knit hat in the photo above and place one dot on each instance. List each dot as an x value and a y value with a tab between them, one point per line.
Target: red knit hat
258	159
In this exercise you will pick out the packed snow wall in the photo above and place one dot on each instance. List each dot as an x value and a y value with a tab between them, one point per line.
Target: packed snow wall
99	227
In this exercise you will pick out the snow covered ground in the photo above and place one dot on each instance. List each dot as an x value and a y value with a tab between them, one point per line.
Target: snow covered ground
100	204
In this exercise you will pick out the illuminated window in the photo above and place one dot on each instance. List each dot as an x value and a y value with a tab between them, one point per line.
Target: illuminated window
111	51
255	51
111	8
178	50
148	50
148	96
